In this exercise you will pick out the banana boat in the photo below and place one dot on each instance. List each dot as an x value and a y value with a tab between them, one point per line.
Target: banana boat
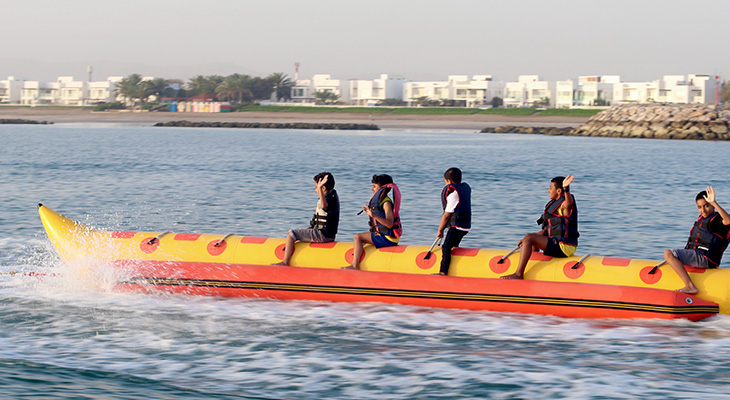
240	266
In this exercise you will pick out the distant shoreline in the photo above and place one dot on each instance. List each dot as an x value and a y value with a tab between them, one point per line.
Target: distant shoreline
473	122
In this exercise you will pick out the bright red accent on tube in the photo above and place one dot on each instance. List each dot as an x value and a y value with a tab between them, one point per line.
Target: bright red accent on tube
123	234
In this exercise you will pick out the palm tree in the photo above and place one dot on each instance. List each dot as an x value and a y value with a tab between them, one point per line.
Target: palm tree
132	88
281	85
155	88
200	84
326	97
235	88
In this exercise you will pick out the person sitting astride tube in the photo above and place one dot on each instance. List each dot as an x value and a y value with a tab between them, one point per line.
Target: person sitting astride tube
708	239
323	226
385	226
559	234
456	201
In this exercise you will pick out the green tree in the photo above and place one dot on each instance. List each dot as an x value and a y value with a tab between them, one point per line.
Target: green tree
425	101
543	102
133	88
281	85
497	102
260	88
200	84
155	87
391	102
235	88
326	97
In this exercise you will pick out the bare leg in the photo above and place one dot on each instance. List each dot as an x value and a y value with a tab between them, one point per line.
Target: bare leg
288	251
536	240
689	286
360	240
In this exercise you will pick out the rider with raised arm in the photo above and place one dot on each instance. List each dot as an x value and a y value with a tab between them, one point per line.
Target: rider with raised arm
708	239
559	234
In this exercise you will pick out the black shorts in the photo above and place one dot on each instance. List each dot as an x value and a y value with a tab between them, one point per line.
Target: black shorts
553	248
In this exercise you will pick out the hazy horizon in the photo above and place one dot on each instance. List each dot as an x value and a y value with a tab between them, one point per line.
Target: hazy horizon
562	39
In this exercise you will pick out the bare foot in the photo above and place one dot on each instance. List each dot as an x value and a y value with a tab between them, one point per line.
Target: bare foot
689	290
281	263
511	276
348	267
439	273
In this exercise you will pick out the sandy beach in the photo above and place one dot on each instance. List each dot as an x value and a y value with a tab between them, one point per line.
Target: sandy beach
61	115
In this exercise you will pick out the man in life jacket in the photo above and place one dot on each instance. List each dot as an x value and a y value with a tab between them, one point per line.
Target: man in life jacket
559	221
324	223
456	201
384	219
708	239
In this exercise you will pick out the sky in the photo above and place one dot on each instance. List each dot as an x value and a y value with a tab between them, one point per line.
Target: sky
416	39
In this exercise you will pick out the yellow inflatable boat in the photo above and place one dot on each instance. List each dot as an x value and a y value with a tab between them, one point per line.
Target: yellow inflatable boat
236	265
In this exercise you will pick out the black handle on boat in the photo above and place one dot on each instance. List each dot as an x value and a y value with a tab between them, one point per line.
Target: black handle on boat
501	260
428	254
575	266
656	267
218	243
156	238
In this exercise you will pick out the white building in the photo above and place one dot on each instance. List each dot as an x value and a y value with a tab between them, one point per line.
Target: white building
71	92
10	90
589	91
565	93
304	89
35	92
527	90
104	91
370	93
690	89
414	91
636	92
465	92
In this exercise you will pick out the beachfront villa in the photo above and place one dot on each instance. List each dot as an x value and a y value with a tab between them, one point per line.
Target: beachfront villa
304	89
372	92
458	90
465	92
64	91
528	90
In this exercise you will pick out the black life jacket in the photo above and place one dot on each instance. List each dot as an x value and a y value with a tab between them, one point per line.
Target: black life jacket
564	228
461	218
327	221
707	242
377	209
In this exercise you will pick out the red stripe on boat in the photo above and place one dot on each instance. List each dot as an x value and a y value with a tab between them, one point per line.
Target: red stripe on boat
253	239
327	245
538	256
187	236
464	251
123	234
616	261
393	249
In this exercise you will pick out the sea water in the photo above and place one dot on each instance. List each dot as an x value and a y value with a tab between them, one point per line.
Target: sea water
72	337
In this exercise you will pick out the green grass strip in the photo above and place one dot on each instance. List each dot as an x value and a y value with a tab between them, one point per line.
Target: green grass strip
568	112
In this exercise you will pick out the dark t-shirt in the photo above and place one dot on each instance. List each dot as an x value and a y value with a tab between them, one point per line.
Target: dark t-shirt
333	213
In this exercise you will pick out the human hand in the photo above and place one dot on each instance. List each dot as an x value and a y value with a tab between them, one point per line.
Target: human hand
567	181
710	198
440	233
519	244
321	182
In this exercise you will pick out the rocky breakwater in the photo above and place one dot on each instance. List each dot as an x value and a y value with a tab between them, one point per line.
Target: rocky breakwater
660	121
271	125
